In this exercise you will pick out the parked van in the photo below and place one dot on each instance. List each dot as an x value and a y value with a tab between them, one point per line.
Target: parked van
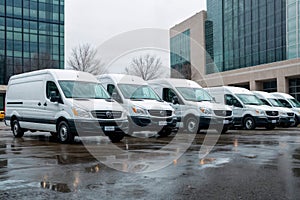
146	110
63	102
194	107
286	115
248	111
289	102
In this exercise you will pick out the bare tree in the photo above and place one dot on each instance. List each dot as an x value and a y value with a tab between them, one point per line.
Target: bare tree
146	66
83	58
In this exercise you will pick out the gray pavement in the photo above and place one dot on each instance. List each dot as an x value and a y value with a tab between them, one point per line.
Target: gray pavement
256	164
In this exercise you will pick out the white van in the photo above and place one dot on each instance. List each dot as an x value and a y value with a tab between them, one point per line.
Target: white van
146	110
286	115
248	111
194	107
63	102
289	102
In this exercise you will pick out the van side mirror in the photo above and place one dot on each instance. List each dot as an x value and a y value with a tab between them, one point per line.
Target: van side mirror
54	97
175	100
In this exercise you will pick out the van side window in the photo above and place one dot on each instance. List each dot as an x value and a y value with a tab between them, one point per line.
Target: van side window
232	101
51	87
168	95
111	89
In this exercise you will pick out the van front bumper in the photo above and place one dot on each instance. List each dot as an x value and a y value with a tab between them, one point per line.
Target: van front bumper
263	121
84	127
206	122
286	121
140	123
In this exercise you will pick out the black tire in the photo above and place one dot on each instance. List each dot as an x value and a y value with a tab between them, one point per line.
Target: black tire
295	124
116	137
191	124
165	132
54	134
249	123
64	133
18	132
270	127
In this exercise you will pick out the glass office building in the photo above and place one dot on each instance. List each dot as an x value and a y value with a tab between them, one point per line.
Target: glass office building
180	47
293	26
31	37
246	33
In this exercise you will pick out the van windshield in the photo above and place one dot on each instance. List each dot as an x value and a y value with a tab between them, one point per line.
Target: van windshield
250	99
83	90
275	102
294	103
132	91
194	94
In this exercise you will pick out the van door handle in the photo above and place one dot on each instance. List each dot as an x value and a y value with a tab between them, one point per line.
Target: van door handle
45	104
39	104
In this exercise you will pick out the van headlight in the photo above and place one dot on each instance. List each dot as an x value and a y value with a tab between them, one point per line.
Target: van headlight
260	112
139	111
206	111
283	114
80	113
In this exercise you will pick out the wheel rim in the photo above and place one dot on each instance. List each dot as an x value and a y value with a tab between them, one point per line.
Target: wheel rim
16	129
191	125
249	124
63	133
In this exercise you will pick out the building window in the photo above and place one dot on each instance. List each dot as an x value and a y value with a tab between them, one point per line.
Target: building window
294	88
270	86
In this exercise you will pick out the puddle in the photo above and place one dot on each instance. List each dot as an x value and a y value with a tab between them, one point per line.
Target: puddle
59	187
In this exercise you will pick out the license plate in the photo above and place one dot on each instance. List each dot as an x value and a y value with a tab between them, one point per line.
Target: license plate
292	120
109	128
274	121
179	124
225	121
162	123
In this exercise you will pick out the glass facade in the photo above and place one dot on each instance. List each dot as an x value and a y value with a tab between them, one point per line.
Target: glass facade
31	36
293	26
246	32
294	87
180	46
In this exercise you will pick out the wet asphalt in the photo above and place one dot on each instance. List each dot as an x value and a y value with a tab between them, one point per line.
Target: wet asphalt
257	164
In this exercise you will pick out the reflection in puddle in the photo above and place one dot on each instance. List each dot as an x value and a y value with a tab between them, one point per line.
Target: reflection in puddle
59	187
206	161
93	169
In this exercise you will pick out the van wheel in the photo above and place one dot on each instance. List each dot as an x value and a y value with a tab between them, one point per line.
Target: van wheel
116	137
16	129
192	124
296	122
165	132
64	133
249	123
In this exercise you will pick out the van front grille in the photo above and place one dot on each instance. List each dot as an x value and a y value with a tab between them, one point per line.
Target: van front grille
160	113
106	114
290	114
272	113
223	113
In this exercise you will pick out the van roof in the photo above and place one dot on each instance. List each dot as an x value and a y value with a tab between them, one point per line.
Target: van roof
230	89
123	78
59	74
175	82
265	95
282	95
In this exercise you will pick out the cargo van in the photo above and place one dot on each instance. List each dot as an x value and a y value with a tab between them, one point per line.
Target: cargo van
65	103
146	110
248	111
194	107
289	101
286	115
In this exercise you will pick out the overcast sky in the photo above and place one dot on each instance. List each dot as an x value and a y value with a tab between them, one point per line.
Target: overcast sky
99	22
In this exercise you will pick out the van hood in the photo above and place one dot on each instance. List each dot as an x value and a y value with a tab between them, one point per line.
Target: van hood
213	106
97	104
283	109
261	107
151	104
